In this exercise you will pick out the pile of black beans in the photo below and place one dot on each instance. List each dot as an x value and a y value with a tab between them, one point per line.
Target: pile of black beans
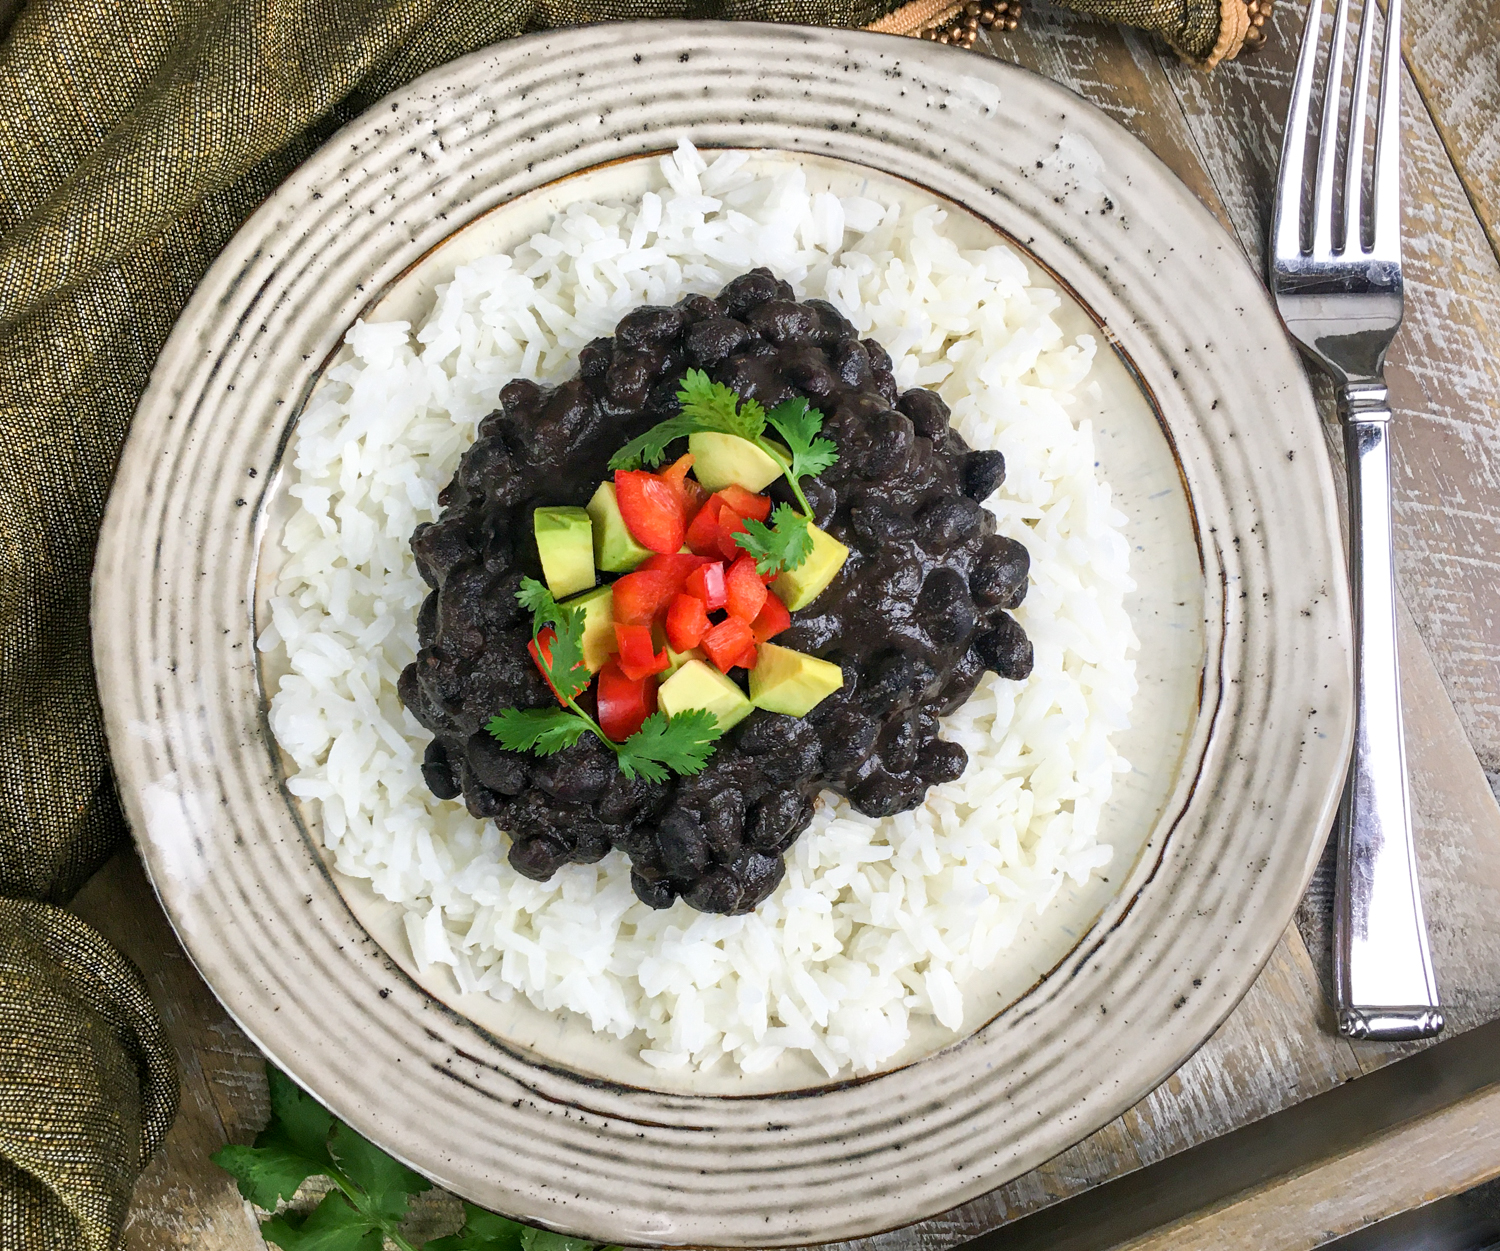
916	615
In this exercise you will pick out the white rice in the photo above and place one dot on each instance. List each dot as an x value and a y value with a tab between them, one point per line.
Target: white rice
877	921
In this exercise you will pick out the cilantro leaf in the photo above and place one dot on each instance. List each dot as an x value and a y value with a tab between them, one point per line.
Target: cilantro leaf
334	1225
682	743
386	1182
546	731
784	547
546	1240
564	667
266	1173
799	426
483	1231
537	599
706	406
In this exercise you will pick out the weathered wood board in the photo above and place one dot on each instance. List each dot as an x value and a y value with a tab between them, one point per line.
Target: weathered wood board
1221	135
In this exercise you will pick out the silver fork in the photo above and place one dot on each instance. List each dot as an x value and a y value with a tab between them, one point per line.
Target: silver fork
1341	300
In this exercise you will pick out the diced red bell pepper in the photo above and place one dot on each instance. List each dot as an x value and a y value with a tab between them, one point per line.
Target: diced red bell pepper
635	656
707	583
772	619
687	622
654	511
678	564
748	657
730	524
545	639
703	532
624	703
641	597
727	642
746	503
744	592
675	476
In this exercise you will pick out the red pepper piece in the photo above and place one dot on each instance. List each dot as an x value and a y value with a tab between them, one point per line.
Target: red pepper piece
744	592
748	657
654	511
730	524
624	703
641	597
687	622
678	564
703	533
707	583
746	503
675	476
727	642
543	643
635	657
772	619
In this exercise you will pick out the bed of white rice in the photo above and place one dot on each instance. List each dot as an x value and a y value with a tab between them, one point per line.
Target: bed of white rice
878	921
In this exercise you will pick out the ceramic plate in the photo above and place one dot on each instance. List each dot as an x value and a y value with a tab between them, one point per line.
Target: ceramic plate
1206	432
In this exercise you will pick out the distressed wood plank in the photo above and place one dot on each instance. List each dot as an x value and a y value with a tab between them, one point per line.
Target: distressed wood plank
183	1200
1443	370
1454	57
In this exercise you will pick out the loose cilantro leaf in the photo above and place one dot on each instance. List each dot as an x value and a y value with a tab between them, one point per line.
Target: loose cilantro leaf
537	599
784	547
682	743
706	405
371	1190
546	731
799	426
334	1225
483	1231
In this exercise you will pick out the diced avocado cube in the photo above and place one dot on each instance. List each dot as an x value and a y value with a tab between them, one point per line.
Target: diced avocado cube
697	685
598	625
797	588
675	660
721	460
791	682
565	542
615	551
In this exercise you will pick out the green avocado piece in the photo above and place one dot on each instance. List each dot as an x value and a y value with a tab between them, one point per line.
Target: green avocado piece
675	660
698	685
791	682
615	551
565	542
598	625
721	460
797	588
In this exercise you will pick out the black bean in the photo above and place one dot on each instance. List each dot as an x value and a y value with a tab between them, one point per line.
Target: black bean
685	852
880	367
927	411
439	546
894	680
949	521
500	770
999	576
538	857
945	609
891	436
884	794
593	364
628	380
783	321
737	888
711	341
437	771
749	291
898	743
723	823
427	617
778	819
1006	649
850	739
940	762
649	328
983	472
853	365
577	774
878	522
658	894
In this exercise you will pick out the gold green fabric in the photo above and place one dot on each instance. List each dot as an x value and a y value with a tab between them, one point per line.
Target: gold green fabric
134	139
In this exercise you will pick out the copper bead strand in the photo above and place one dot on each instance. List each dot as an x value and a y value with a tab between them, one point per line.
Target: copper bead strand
962	29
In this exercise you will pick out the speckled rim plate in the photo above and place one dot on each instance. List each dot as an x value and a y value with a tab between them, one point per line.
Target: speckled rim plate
1197	915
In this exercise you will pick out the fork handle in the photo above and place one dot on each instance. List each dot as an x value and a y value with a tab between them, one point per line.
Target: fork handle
1382	967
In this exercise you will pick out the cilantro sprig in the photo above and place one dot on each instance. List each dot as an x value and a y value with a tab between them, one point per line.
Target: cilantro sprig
371	1192
681	744
784	546
712	407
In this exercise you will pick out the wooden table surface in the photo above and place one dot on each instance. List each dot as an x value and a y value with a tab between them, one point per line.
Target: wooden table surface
1220	133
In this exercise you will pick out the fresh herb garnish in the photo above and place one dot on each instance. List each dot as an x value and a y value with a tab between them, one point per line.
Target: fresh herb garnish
370	1192
783	547
682	743
712	407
